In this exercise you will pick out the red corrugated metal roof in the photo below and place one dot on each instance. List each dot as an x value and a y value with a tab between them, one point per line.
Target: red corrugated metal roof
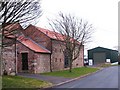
9	30
32	45
49	33
54	35
12	27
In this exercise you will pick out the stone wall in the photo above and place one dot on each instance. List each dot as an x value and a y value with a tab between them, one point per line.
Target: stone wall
8	60
57	57
79	62
42	63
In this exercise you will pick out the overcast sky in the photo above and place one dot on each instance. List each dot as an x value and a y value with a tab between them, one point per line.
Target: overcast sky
103	14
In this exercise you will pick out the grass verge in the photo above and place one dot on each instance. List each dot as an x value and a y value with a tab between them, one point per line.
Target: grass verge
76	72
104	65
22	82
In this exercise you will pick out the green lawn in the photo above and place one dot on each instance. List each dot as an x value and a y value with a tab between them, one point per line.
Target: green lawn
76	72
21	82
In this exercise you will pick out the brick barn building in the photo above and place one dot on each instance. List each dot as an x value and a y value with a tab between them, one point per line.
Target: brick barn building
39	49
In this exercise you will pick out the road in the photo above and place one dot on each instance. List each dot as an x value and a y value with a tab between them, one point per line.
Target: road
106	78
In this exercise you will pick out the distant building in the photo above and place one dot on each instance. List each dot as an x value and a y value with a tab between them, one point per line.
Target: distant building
101	55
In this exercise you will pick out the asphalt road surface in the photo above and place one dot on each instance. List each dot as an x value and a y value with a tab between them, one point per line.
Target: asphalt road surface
106	78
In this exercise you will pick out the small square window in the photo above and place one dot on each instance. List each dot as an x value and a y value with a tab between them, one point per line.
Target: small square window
55	59
60	60
55	49
77	64
60	50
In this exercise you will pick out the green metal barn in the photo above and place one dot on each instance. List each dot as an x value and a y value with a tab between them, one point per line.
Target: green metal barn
101	55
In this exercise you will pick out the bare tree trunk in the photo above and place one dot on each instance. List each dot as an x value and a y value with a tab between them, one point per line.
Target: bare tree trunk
70	70
1	51
70	64
0	62
2	48
1	57
15	56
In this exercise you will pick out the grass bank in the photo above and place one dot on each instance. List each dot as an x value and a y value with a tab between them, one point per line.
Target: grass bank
76	72
22	82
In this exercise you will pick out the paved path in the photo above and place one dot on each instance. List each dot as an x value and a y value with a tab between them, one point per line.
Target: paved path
52	79
106	78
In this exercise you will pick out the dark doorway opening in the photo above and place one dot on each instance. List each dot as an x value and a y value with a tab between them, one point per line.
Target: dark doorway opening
24	61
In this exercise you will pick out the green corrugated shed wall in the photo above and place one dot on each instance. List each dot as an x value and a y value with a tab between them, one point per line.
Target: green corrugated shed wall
110	54
114	56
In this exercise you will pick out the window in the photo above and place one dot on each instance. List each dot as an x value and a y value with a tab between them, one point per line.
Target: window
60	60
55	59
77	64
60	50
55	49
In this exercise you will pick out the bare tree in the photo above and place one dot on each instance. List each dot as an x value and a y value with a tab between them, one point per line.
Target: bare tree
11	12
75	32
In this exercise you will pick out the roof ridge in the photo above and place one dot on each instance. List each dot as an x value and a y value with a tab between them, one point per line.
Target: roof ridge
103	48
52	32
40	30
